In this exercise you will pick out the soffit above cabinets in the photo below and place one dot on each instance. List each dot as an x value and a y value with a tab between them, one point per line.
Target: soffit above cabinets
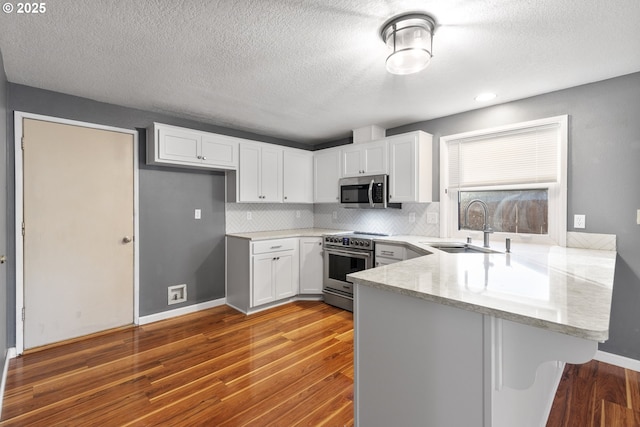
312	71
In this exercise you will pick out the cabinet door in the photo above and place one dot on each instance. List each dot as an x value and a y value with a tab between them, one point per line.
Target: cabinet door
285	277
178	145
311	265
374	158
297	176
326	173
352	164
249	173
402	170
262	280
221	151
410	167
271	174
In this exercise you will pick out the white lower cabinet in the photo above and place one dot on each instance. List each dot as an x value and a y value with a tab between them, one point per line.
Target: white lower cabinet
311	265
274	277
261	272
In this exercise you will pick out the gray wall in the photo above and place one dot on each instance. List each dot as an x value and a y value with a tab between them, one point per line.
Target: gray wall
604	175
174	248
3	210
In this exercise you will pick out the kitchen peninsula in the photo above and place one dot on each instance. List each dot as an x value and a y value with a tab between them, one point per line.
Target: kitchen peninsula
475	339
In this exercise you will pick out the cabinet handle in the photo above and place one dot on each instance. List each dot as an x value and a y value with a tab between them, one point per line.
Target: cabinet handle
389	196
199	157
204	157
276	247
390	253
285	197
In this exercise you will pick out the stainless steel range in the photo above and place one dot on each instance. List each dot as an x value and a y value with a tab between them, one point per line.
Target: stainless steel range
344	254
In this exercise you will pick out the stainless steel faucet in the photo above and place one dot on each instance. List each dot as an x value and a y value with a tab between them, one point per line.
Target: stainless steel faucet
486	230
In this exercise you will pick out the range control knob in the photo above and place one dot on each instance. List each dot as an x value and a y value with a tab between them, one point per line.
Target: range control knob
366	243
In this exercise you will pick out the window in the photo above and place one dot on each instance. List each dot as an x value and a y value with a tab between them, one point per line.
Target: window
517	172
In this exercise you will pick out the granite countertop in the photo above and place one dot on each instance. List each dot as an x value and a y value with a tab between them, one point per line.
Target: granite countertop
555	288
283	234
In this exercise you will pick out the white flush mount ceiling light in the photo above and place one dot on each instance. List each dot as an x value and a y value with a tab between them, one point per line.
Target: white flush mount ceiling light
410	40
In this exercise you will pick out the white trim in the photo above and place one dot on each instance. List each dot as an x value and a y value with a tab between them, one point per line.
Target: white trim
11	353
18	132
557	227
556	382
169	314
617	360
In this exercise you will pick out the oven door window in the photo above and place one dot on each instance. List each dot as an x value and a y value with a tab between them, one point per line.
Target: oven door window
341	265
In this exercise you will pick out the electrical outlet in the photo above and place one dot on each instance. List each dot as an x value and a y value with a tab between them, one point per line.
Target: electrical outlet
248	216
412	217
432	218
297	214
335	215
579	221
198	214
638	217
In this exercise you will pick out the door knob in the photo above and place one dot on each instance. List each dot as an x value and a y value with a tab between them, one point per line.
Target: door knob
127	239
3	259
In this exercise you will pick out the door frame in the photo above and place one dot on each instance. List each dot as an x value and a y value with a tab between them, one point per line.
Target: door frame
19	214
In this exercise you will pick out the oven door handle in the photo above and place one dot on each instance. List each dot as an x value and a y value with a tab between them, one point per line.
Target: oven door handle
370	193
354	254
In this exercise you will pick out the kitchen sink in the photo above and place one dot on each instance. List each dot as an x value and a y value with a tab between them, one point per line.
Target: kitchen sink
460	248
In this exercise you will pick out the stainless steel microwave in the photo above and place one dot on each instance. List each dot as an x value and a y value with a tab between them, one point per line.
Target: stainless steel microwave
365	192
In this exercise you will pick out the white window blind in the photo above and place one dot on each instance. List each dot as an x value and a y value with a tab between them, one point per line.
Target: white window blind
529	155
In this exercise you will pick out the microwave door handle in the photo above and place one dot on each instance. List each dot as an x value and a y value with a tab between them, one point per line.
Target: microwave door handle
370	193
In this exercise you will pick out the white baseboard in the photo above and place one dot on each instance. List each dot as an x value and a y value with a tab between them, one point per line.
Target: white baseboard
621	361
11	353
164	315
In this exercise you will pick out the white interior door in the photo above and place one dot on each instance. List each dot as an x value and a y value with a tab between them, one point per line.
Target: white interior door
78	213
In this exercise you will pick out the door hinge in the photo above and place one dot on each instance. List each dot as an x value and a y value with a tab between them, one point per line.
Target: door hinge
22	143
23	229
23	314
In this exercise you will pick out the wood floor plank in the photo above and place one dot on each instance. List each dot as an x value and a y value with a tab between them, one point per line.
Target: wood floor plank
633	389
596	394
207	368
287	366
618	415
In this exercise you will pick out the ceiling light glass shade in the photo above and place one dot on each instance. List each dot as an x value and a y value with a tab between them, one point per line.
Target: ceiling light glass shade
409	39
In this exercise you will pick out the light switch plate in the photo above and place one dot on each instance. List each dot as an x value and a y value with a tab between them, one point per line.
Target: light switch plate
248	216
579	221
432	218
412	217
638	217
198	214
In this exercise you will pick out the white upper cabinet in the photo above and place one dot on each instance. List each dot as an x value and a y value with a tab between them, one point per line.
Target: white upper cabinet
326	173
259	173
368	158
410	167
176	146
298	176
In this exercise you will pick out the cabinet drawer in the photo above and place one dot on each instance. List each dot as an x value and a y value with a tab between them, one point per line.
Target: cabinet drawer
390	251
273	246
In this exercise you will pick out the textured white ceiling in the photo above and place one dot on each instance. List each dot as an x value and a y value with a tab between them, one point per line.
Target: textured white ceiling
310	71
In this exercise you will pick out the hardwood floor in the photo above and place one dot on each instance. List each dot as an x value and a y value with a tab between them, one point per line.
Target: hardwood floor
596	394
288	366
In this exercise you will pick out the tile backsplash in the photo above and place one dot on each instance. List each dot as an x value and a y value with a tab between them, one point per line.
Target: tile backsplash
267	216
411	219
